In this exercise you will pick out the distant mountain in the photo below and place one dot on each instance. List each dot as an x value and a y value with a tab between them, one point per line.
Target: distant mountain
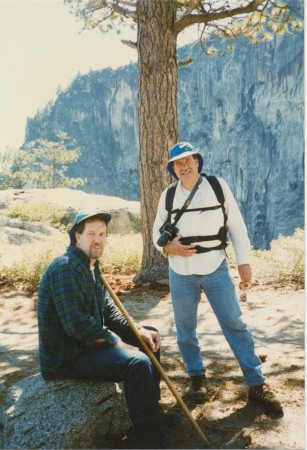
99	112
244	111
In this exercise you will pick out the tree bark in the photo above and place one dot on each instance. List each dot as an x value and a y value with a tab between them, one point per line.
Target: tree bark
158	119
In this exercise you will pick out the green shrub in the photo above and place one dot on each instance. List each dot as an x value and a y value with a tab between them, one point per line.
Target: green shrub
283	264
28	270
123	254
2	247
44	212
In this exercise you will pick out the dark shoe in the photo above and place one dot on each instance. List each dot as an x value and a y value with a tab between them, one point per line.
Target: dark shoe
262	394
197	389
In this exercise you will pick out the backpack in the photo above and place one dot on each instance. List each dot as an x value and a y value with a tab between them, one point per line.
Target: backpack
222	233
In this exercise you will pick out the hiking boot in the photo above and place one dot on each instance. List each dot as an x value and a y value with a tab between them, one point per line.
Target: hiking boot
262	394
197	389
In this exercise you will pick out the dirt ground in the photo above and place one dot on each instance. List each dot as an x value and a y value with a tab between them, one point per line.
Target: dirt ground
228	420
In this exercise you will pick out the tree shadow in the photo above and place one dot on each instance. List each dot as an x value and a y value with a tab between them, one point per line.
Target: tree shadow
228	418
233	430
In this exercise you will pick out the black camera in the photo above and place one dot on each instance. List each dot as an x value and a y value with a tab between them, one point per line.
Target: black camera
168	233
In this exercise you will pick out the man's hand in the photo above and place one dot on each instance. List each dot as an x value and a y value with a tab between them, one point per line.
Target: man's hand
99	341
176	248
151	338
245	272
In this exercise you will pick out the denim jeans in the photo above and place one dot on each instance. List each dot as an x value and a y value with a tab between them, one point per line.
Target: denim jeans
140	381
219	289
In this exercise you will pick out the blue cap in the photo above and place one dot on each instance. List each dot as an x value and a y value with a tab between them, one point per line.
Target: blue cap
80	217
182	150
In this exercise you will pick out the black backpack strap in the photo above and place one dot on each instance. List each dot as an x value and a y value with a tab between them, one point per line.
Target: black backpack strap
222	234
216	186
214	183
169	199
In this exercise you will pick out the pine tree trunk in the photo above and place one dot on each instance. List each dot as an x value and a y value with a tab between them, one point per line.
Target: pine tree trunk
158	119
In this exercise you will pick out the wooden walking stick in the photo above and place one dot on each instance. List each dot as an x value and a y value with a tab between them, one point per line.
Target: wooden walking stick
154	360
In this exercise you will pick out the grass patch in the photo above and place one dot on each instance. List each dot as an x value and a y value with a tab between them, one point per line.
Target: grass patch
28	270
43	212
123	254
282	265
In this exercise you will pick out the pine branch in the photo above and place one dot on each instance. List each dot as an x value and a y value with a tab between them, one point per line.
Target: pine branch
206	17
129	43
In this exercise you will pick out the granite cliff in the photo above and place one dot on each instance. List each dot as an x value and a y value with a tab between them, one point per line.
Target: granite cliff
243	110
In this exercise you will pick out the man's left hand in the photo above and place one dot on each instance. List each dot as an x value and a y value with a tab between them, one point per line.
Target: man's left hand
151	338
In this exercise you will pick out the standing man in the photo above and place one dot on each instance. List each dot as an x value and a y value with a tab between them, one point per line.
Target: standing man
194	243
80	329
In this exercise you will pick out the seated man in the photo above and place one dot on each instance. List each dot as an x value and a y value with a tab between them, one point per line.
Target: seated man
82	334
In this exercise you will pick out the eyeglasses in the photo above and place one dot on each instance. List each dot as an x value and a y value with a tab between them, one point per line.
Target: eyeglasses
244	286
184	162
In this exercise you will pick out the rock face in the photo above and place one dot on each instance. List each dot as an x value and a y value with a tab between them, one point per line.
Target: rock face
244	112
252	133
99	112
63	414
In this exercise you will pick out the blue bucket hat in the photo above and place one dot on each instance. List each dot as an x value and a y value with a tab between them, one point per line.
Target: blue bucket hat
182	150
80	217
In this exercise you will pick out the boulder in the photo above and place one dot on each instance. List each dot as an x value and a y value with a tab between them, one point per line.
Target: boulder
18	232
64	414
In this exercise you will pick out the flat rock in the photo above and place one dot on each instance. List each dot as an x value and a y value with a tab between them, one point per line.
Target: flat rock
63	414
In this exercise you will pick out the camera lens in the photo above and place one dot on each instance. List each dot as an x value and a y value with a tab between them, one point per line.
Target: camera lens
163	239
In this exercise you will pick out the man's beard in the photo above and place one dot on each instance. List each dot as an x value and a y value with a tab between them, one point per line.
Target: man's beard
95	254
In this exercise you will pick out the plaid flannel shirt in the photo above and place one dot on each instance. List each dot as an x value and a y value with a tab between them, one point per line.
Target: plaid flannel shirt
73	311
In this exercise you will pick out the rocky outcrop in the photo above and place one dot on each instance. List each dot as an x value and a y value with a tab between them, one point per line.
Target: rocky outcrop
17	234
125	214
244	111
63	414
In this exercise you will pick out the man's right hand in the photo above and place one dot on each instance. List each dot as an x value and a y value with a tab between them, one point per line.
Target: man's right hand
176	248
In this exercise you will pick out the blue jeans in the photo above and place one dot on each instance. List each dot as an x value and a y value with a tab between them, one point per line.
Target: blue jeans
220	291
140	381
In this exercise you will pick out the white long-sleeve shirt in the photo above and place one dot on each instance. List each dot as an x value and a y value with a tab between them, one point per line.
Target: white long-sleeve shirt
204	223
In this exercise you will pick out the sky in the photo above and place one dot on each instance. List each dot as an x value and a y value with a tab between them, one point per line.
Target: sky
43	47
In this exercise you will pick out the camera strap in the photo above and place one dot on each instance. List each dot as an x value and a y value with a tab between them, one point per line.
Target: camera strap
187	202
